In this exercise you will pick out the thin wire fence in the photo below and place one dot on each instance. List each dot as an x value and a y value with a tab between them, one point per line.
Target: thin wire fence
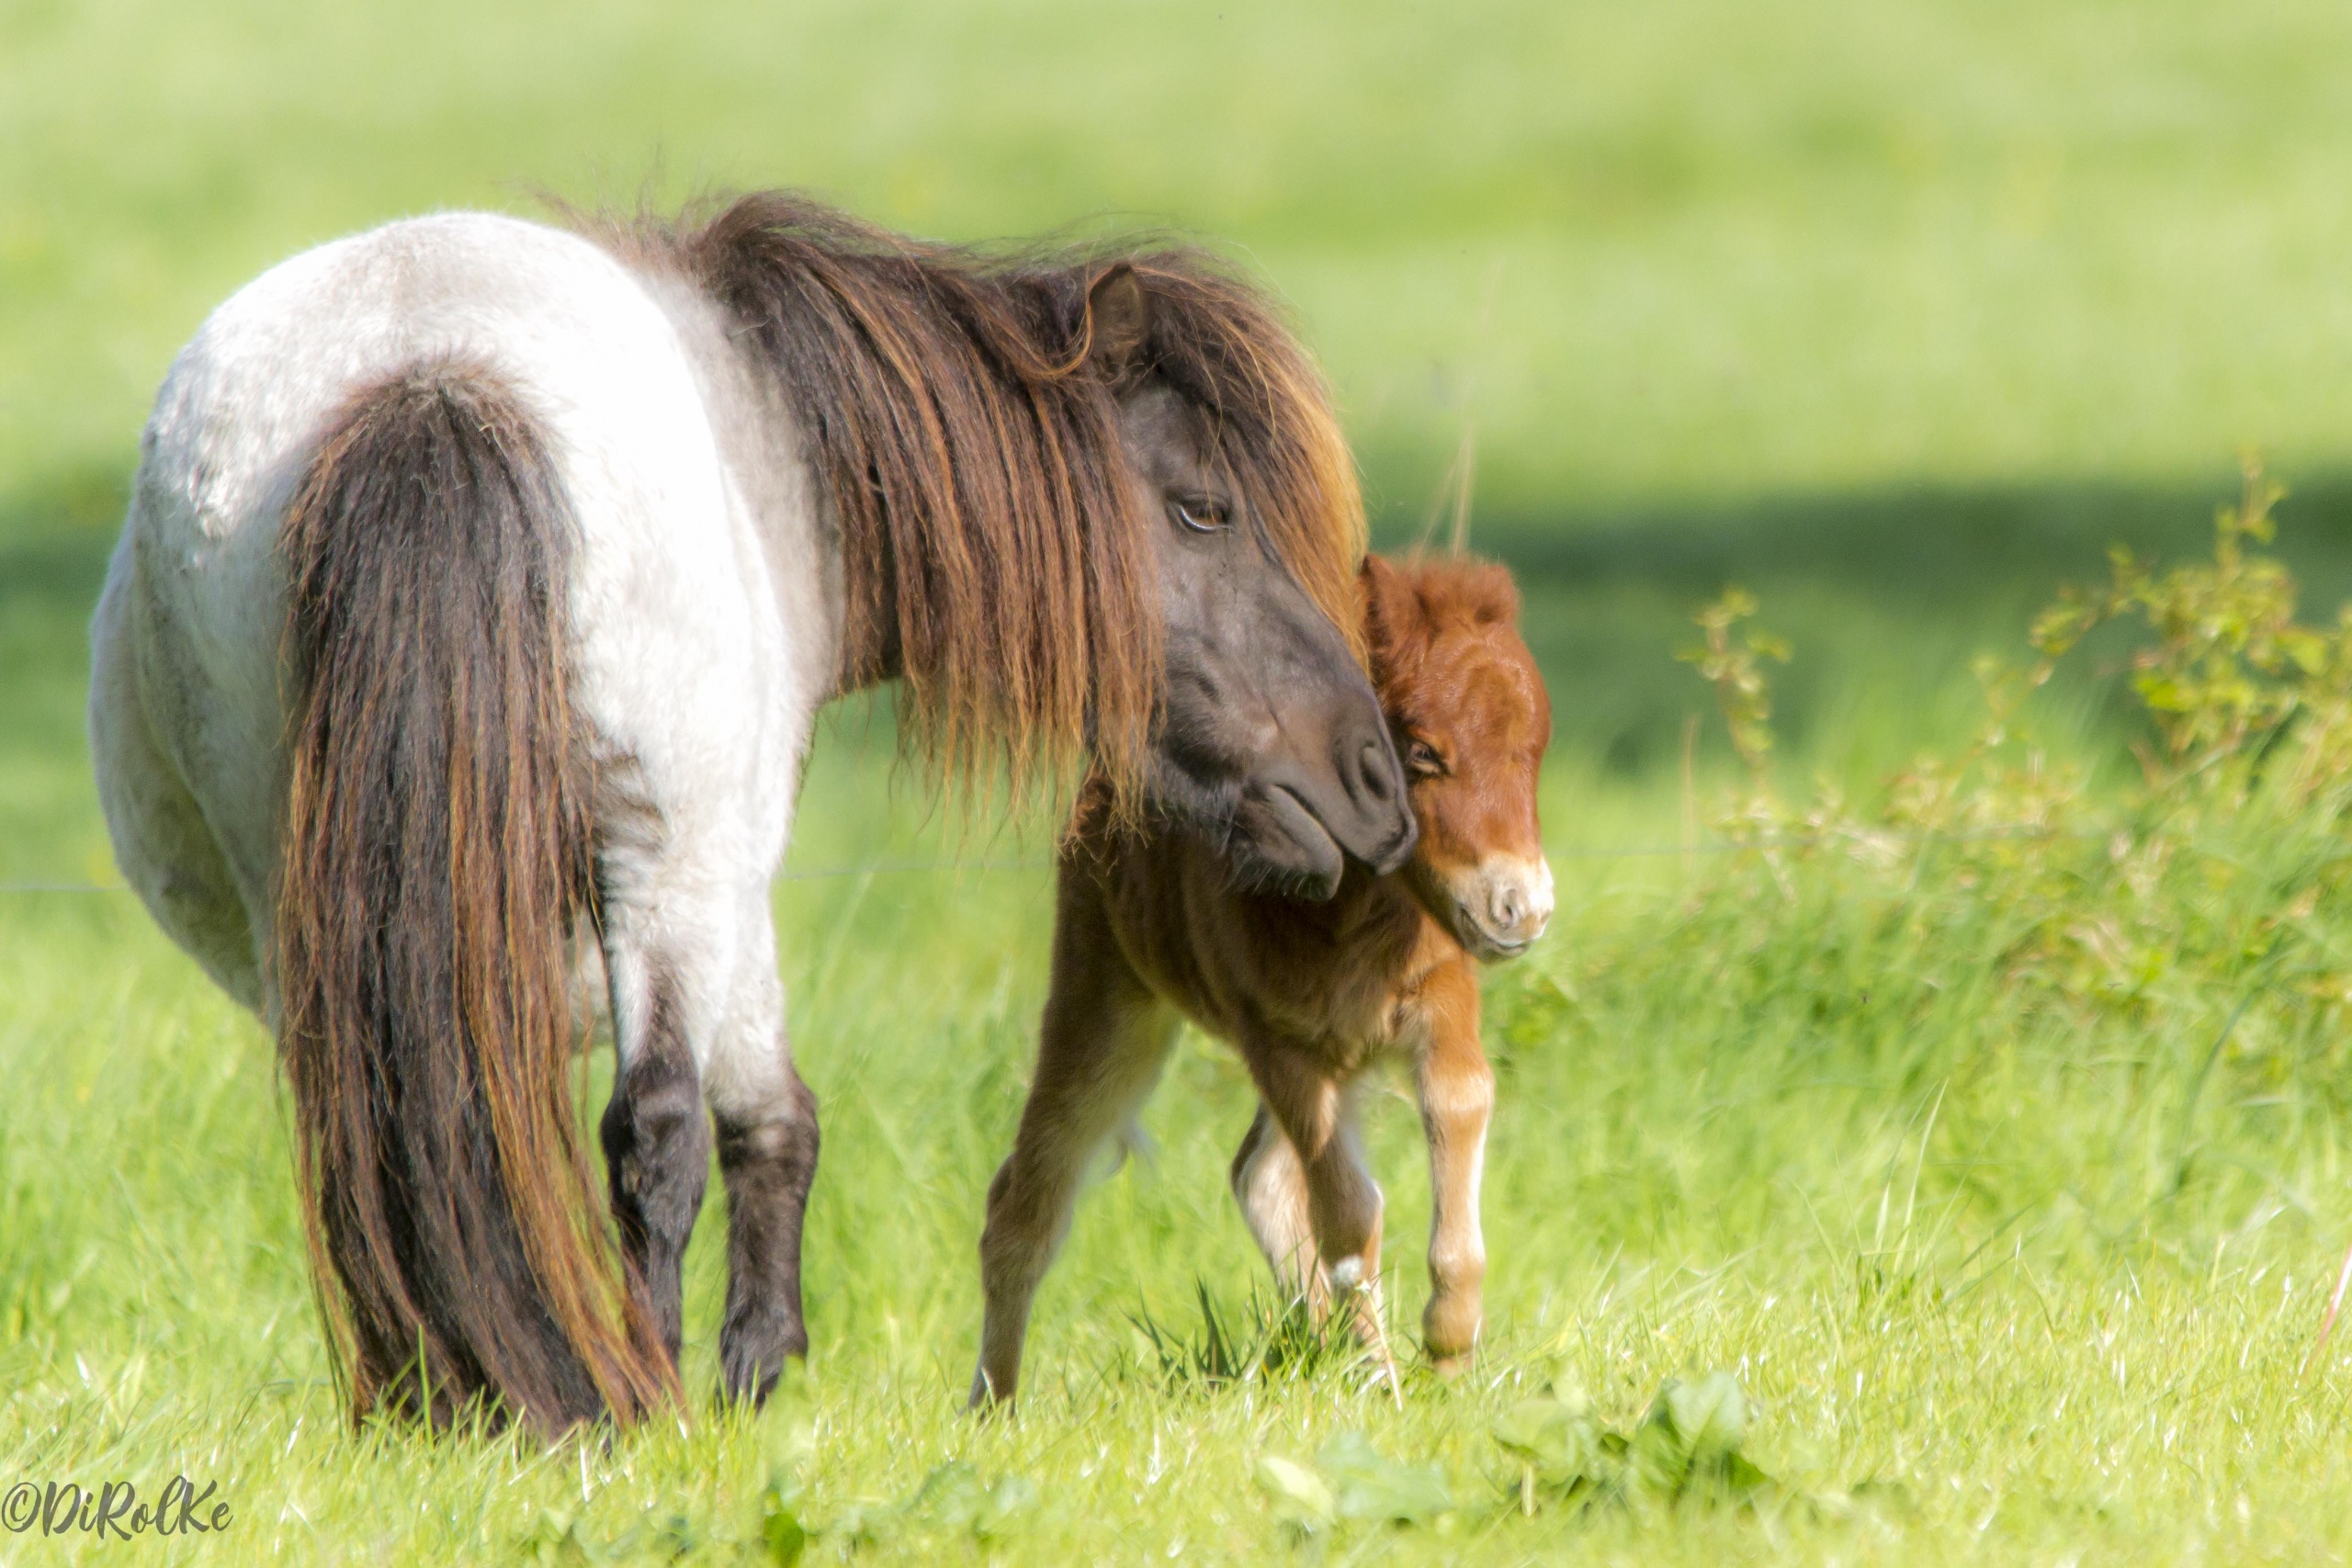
1570	852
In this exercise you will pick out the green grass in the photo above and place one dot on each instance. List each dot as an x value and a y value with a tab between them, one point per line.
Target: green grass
2003	1275
1897	314
2030	1280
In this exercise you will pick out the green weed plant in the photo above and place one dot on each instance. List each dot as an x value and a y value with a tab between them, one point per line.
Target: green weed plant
2219	870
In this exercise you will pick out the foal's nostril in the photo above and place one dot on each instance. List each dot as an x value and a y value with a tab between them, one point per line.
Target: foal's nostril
1508	907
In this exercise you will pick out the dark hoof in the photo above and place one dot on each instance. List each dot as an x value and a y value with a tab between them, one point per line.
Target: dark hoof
752	1356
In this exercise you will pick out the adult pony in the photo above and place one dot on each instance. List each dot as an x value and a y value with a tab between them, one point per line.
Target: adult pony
479	584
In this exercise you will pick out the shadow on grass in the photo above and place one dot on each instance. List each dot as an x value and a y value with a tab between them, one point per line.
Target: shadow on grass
1934	547
54	539
1886	596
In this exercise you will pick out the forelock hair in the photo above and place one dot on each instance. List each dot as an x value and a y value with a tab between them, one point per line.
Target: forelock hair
1429	595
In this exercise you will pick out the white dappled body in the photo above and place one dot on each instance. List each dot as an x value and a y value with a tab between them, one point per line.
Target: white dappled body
704	599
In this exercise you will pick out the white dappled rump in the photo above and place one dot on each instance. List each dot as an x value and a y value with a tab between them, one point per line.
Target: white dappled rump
704	620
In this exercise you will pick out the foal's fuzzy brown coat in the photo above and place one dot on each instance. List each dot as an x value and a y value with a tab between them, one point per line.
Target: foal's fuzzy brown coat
1147	927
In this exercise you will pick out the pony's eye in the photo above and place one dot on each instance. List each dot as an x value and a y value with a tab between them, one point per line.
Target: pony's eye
1422	758
1199	514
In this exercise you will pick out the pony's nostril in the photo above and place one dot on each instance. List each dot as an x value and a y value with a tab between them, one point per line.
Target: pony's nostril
1508	908
1372	767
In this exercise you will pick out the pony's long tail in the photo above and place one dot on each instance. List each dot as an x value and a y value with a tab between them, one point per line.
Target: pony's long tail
437	855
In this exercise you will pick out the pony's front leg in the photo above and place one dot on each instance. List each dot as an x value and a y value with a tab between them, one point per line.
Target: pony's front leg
1456	1089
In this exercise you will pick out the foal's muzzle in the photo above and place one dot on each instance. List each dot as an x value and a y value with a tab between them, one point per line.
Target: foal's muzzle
1501	905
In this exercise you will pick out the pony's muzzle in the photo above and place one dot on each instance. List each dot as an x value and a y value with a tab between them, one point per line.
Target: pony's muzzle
1378	783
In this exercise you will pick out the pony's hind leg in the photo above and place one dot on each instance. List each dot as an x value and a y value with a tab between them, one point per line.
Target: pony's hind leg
657	1143
1100	1048
698	1015
767	1156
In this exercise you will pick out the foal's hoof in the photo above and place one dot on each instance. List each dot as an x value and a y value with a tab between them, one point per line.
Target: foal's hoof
1451	1366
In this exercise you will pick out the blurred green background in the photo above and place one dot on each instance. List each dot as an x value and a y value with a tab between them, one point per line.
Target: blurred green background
1897	312
1891	312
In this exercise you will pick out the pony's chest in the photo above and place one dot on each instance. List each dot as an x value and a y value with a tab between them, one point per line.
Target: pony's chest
1338	982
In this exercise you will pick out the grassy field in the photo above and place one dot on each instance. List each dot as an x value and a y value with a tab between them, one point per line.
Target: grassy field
2007	1182
2002	1272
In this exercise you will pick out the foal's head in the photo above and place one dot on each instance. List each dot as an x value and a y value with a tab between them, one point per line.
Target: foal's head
1470	717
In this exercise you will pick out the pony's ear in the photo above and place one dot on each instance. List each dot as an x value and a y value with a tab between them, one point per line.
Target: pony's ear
1119	312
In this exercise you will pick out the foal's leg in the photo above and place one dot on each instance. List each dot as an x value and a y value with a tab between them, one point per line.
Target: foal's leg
1456	1089
767	1155
1318	1114
1099	1051
1271	1190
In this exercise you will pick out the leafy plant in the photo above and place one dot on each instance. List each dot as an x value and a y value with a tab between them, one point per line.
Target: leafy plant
1351	1480
557	1539
1685	1450
782	1535
952	1501
2106	896
1737	673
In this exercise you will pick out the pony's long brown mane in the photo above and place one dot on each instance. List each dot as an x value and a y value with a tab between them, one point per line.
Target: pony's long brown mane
968	445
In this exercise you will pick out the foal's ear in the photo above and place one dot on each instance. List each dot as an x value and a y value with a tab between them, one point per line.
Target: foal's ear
1119	312
1390	605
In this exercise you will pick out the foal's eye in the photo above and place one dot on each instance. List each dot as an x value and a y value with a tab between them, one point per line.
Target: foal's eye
1422	758
1199	514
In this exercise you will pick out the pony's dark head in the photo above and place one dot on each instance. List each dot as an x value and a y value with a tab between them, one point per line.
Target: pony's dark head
1087	506
1267	738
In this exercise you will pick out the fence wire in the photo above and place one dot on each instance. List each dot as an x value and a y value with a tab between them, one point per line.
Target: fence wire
1571	852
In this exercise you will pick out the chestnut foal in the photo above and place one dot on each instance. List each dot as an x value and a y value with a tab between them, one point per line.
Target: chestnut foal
1149	927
